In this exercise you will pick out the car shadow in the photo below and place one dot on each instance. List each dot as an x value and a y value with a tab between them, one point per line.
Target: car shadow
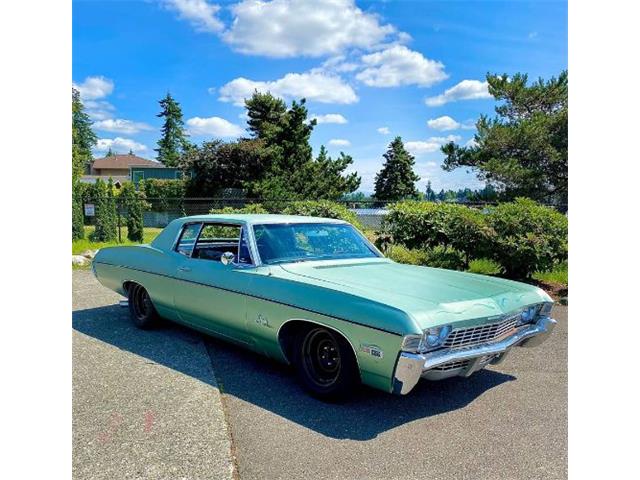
272	386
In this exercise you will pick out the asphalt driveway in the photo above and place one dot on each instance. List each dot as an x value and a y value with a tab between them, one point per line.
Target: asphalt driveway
508	421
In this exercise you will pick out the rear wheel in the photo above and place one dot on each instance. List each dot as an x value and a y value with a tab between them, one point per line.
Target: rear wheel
143	313
325	363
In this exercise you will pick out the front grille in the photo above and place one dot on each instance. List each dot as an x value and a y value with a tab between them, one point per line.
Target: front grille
452	365
466	337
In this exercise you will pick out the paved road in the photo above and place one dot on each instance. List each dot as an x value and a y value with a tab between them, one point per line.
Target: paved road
145	403
506	422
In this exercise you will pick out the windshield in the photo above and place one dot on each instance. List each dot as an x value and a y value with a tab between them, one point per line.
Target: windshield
298	242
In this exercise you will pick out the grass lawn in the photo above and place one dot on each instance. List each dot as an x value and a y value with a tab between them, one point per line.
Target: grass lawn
79	246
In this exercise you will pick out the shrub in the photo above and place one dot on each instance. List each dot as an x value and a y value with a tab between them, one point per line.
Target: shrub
135	204
164	195
77	214
322	208
528	237
427	225
106	214
437	257
248	208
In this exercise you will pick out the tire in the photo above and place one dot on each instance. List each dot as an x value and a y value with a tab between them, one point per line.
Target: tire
325	364
143	313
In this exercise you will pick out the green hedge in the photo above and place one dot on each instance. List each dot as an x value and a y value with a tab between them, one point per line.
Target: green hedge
522	236
427	225
527	237
248	208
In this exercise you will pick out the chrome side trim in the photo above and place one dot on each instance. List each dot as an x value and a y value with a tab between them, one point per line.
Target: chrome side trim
411	366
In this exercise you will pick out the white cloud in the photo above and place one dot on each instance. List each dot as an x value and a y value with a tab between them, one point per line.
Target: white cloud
288	28
120	125
384	130
330	118
445	123
471	143
314	86
94	88
119	145
200	13
399	65
214	126
339	142
430	145
465	90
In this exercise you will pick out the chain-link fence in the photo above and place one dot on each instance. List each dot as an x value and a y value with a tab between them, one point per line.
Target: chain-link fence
161	211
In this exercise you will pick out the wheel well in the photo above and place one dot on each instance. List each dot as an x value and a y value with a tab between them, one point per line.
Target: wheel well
127	285
290	330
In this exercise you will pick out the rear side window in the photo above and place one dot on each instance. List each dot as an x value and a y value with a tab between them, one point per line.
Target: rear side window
188	238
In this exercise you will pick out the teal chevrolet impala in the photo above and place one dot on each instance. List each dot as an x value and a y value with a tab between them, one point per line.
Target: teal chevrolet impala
315	293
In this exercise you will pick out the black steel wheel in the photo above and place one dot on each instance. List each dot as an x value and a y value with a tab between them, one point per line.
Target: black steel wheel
143	313
325	363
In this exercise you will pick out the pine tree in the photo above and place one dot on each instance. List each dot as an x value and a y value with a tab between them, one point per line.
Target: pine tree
109	153
264	112
396	180
174	140
523	150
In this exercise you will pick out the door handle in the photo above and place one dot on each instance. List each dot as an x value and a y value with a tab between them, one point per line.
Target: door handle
184	269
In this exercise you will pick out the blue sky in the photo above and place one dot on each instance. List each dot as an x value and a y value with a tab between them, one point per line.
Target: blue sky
370	70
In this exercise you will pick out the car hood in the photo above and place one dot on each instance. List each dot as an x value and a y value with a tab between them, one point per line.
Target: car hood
431	296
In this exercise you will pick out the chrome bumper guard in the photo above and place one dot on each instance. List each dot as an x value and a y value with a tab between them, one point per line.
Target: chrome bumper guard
411	366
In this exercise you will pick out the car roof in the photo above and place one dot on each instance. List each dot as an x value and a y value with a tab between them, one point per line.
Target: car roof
258	218
166	239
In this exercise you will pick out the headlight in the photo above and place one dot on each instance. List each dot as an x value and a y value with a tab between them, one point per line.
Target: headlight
529	314
431	339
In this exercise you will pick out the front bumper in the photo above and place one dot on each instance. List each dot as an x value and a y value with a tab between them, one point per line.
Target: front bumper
412	366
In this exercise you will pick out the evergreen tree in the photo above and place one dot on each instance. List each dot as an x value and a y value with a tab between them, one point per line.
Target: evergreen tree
83	137
523	150
429	195
396	180
109	153
291	172
134	202
77	213
174	140
106	214
264	112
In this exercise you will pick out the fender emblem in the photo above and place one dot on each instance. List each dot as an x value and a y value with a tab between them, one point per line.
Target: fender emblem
372	350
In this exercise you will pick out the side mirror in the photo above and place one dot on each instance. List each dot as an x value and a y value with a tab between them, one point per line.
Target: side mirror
227	258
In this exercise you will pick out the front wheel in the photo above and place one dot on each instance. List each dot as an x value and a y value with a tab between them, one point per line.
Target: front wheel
325	363
143	313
